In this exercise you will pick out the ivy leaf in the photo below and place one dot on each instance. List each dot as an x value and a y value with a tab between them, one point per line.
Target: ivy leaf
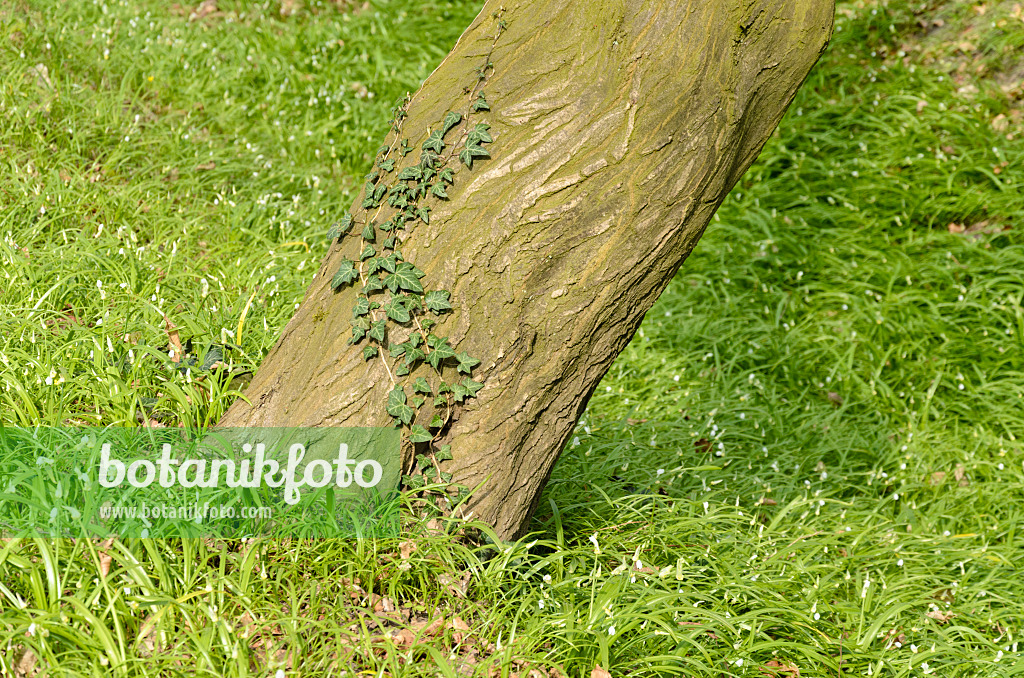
427	323
347	272
388	263
396	310
446	175
373	284
424	214
368	252
428	159
415	339
438	191
359	327
479	135
378	329
413	482
481	104
398	350
410	174
444	454
440	402
369	352
405	278
466	389
466	362
421	386
378	194
397	406
418	434
472	386
340	228
437	422
388	165
438	301
369	232
362	307
450	120
401	370
442	351
434	142
412	354
465	156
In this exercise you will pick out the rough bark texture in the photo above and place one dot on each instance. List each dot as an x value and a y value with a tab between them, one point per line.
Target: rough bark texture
619	127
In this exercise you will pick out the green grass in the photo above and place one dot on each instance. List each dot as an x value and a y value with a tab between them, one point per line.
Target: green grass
812	445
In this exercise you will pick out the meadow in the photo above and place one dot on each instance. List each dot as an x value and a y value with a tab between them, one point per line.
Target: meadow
808	462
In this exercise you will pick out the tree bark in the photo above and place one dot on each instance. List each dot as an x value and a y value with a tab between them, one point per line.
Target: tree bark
619	127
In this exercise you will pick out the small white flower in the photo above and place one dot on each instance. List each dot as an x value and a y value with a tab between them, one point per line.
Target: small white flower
611	630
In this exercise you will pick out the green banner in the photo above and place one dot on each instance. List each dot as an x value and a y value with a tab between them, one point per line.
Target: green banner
174	482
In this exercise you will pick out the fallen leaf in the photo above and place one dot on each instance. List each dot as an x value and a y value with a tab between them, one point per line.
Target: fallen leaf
598	672
173	339
960	474
25	663
940	616
205	8
776	668
206	166
406	548
703	445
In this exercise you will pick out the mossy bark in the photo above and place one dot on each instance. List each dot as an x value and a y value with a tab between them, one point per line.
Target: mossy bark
619	127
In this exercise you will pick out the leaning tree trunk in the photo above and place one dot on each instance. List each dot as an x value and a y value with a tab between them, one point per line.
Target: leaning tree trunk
618	127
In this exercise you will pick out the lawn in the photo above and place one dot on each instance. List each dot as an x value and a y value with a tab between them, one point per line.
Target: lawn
807	462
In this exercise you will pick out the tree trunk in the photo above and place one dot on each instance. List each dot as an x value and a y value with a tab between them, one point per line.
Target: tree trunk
619	127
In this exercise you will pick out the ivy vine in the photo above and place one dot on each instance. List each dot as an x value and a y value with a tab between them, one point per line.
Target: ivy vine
393	303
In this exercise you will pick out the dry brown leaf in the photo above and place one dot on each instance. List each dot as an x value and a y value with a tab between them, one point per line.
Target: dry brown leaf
960	474
205	8
173	339
206	166
778	669
598	672
937	478
406	548
25	662
940	616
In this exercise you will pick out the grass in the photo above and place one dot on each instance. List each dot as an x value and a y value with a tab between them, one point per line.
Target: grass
809	458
